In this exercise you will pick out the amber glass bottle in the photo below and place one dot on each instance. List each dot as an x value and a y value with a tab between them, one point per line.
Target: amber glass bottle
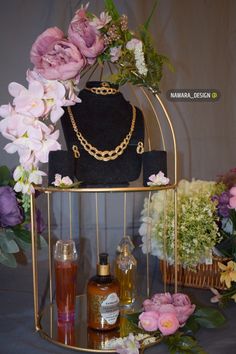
103	298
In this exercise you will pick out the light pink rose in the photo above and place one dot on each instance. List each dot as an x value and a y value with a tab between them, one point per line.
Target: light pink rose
85	36
54	57
149	321
168	323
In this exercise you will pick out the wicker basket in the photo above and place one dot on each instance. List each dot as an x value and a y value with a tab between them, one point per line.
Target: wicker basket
205	276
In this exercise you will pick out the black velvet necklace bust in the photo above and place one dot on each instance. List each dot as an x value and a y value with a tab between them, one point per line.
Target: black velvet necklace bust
104	121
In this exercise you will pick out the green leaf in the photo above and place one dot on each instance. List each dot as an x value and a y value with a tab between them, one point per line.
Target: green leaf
22	233
180	344
146	24
7	244
42	242
111	8
7	259
191	326
25	246
209	317
5	176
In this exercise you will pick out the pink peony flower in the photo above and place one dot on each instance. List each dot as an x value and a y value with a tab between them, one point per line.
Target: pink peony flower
183	307
148	305
54	57
162	298
180	299
148	320
164	308
85	36
168	323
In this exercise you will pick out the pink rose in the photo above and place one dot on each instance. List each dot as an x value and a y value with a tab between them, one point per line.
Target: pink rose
168	323
54	57
85	36
149	321
162	298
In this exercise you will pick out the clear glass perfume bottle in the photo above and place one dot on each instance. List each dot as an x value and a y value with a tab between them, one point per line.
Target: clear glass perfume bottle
126	271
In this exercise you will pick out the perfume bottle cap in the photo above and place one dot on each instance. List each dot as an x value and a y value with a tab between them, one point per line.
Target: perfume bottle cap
65	250
103	267
125	245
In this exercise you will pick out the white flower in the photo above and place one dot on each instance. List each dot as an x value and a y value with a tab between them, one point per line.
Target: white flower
158	180
62	182
25	178
137	46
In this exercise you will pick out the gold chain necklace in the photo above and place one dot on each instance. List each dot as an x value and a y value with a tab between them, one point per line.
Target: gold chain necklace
105	155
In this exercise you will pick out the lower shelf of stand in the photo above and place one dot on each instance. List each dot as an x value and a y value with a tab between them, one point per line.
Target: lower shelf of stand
77	335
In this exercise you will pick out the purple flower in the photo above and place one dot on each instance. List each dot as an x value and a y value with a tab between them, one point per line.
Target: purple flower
224	198
10	212
40	224
223	211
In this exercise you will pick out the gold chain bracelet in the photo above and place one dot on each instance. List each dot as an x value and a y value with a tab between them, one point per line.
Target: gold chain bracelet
106	155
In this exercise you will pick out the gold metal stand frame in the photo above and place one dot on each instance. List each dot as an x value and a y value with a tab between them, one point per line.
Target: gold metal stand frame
76	335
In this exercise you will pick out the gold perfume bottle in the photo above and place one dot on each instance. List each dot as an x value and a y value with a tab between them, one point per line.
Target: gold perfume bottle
126	271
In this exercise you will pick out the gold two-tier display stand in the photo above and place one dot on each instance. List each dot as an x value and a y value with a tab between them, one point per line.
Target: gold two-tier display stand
78	336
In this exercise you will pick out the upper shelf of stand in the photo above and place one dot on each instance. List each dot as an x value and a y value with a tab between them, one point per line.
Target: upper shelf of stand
105	189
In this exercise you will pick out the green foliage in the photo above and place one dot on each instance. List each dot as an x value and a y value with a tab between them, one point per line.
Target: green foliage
146	24
5	176
111	8
14	239
180	343
208	317
154	61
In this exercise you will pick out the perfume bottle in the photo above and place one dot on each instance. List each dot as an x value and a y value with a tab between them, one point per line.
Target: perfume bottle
103	297
65	262
126	271
66	332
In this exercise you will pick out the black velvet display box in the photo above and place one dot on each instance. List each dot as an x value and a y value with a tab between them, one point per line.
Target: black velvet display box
104	121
